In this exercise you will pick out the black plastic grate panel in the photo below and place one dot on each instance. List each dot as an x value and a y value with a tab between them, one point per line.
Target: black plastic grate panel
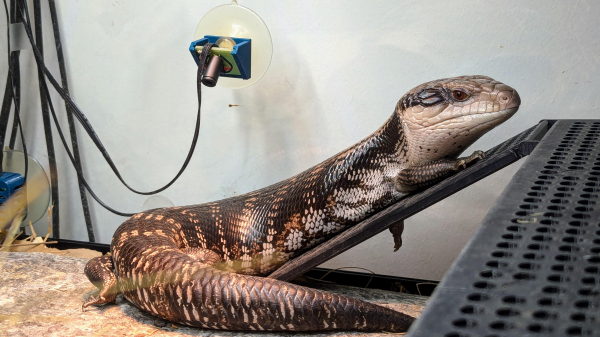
533	268
510	143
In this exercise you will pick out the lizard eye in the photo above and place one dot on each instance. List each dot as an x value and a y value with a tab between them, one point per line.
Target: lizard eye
459	95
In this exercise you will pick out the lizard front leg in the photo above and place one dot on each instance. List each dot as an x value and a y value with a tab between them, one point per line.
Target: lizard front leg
99	271
396	230
424	175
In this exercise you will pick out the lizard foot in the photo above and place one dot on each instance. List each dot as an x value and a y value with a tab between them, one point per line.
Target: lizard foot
97	300
397	230
463	162
99	271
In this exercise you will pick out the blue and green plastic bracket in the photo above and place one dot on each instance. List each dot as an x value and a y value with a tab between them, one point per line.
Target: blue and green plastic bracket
239	57
10	183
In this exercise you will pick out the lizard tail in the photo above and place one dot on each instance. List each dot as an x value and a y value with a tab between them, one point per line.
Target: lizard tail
185	288
187	285
210	298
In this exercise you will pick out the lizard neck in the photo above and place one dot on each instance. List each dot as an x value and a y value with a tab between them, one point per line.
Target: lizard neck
378	154
388	141
360	180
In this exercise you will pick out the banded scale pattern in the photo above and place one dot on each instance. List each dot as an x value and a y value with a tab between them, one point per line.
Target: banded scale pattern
257	232
201	265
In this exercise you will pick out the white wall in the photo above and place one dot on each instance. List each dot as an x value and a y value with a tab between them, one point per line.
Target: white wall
338	69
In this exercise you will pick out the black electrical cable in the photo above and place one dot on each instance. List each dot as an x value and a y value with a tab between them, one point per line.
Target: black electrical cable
203	58
78	170
73	132
8	99
230	65
17	117
16	79
16	101
6	109
15	127
45	87
8	96
6	102
15	18
14	93
39	42
86	124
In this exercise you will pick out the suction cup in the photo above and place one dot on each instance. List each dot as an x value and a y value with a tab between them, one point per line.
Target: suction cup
240	22
157	201
38	186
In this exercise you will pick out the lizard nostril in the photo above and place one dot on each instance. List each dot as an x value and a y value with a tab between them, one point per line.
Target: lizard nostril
509	97
503	97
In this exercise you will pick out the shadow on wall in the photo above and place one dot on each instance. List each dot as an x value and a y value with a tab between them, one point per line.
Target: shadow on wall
272	119
281	123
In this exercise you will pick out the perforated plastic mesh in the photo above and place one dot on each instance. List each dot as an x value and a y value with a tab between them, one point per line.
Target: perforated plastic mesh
533	268
514	141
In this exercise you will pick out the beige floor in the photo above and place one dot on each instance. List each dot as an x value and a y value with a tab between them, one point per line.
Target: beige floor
41	295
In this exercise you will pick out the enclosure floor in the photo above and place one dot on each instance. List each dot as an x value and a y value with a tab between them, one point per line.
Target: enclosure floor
41	295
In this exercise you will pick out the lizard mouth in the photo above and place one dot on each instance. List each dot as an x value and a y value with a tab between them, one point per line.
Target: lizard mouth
500	115
510	111
507	112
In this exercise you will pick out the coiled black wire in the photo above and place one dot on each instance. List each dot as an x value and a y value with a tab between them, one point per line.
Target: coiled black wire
87	216
39	42
24	12
13	91
86	124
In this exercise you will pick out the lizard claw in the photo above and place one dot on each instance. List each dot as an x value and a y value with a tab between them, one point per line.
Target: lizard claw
461	163
91	301
479	154
85	304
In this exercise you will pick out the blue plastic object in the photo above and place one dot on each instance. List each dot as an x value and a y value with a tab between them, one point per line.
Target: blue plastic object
9	184
241	55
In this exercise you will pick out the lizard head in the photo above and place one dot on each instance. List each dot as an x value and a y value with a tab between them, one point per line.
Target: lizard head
442	118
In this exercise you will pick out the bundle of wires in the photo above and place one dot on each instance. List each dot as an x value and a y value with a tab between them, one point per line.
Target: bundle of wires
23	11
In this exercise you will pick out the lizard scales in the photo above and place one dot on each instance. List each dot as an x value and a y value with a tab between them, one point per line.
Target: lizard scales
203	265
